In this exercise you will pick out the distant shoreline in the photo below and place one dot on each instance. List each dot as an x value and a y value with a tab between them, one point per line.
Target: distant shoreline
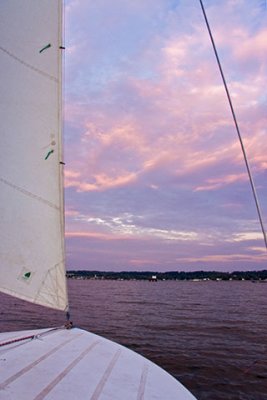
254	276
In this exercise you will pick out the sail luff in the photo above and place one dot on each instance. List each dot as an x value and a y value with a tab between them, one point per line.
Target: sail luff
60	132
31	182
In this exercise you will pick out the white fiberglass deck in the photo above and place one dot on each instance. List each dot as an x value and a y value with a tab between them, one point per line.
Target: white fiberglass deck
75	364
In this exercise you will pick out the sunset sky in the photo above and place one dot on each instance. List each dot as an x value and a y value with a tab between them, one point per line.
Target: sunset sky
155	177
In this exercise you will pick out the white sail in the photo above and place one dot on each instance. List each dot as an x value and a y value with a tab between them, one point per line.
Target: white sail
31	186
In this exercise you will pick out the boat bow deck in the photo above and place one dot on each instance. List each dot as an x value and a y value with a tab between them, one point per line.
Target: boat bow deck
76	364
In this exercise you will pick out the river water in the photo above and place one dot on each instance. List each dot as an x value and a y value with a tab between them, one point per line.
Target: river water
212	336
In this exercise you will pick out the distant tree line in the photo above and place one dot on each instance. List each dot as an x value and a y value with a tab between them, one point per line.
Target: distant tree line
171	275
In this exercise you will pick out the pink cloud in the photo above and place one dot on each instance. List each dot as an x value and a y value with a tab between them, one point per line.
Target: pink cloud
89	235
71	213
99	235
143	261
223	258
253	47
103	182
186	103
216	183
71	178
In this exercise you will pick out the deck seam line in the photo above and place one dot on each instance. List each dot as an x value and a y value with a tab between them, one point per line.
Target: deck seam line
106	375
55	381
142	385
34	363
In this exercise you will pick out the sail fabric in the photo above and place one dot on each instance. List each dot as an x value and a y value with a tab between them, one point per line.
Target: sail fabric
31	184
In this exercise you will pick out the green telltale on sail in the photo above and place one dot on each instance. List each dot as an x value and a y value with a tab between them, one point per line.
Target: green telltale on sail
48	154
45	47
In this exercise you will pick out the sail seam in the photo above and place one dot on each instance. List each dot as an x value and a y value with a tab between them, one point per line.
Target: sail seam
58	298
29	194
27	65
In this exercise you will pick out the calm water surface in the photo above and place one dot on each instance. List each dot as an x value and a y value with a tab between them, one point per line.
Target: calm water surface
209	335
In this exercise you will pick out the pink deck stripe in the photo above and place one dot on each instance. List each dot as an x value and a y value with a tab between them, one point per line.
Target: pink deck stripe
51	386
103	380
34	363
142	386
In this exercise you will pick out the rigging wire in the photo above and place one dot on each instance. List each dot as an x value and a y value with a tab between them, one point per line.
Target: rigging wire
236	125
